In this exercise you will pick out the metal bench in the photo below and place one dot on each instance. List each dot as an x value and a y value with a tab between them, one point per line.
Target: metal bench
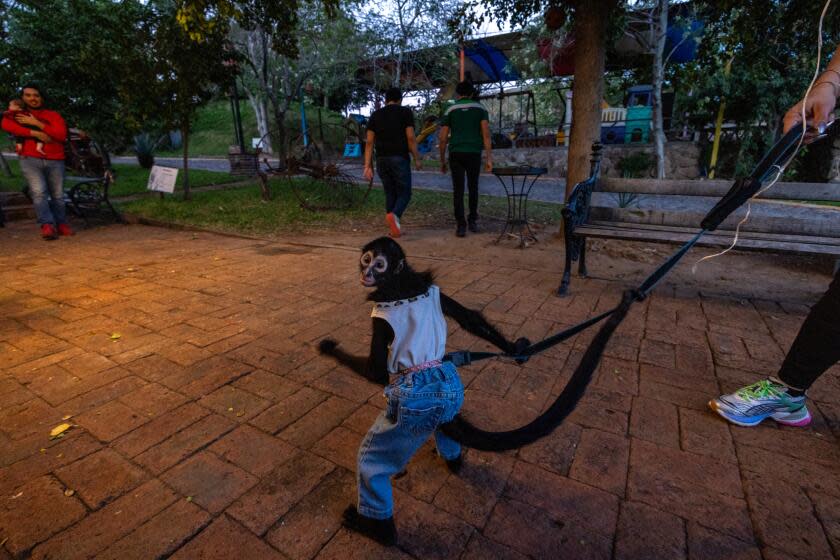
91	194
86	195
778	223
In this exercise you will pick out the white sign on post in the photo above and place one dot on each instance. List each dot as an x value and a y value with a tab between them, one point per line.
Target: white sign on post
162	179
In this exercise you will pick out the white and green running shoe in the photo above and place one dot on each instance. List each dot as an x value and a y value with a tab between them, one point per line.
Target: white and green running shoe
752	404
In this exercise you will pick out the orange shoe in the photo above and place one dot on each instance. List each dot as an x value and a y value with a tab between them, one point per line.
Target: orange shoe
394	224
64	229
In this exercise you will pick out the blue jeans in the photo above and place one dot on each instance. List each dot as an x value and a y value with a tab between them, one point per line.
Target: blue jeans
395	172
45	178
417	404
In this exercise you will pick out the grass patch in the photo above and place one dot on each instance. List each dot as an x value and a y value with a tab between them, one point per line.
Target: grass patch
14	183
213	132
130	179
242	211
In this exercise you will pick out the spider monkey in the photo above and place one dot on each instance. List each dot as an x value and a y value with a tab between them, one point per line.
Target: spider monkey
409	339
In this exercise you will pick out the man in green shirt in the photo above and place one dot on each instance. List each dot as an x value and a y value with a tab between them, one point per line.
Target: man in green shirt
465	128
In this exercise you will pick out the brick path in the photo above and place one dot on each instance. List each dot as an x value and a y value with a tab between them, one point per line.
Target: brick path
205	425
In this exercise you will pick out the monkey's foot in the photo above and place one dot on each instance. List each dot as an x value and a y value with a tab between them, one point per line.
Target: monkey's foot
382	531
454	465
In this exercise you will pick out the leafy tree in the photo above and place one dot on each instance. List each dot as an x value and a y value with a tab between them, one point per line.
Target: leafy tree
278	19
328	54
171	74
647	21
592	26
75	50
400	29
772	46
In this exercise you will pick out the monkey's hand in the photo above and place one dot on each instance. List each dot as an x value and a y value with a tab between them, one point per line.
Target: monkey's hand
327	346
518	347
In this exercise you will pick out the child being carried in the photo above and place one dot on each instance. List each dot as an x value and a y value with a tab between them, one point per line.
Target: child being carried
16	106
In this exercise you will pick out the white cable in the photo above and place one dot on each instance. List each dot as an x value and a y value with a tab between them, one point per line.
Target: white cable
781	169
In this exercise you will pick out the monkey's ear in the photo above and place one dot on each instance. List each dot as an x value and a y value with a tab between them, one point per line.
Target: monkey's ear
327	346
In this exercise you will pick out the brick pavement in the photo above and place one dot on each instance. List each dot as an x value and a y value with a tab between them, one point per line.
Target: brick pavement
206	426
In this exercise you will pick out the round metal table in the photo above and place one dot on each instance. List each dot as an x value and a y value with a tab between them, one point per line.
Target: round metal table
517	182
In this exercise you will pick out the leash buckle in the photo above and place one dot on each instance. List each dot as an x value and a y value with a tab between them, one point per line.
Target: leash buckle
459	358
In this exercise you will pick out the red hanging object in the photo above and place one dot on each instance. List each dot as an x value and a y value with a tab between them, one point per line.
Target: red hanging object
555	17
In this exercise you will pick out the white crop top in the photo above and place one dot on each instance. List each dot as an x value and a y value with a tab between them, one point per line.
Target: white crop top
419	329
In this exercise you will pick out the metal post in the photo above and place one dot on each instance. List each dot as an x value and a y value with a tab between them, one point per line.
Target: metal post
237	118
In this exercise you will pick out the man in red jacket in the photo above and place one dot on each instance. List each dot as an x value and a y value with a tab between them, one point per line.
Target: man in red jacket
44	172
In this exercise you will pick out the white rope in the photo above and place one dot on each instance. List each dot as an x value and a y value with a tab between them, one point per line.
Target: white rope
780	168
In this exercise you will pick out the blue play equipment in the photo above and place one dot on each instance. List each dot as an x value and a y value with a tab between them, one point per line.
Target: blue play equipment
612	132
492	61
639	115
353	149
428	144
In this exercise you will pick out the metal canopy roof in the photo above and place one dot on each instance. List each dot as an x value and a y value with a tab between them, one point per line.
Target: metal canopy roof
488	59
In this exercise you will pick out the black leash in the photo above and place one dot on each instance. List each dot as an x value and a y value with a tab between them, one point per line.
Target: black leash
466	357
741	191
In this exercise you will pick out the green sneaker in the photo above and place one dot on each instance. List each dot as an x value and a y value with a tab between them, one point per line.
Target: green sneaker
752	404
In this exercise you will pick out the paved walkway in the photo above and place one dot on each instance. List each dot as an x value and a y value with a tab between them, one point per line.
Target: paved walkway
204	425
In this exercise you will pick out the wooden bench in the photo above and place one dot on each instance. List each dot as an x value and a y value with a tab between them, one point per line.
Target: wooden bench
776	225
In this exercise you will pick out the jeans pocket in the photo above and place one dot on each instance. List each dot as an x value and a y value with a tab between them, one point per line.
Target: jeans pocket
419	421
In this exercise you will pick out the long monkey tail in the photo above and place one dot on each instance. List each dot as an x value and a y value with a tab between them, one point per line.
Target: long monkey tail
464	432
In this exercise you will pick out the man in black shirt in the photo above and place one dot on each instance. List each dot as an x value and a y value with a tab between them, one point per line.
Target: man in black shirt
391	130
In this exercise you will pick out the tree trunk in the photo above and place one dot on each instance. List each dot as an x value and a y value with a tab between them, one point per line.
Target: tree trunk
590	52
185	136
398	74
660	26
7	171
261	112
280	142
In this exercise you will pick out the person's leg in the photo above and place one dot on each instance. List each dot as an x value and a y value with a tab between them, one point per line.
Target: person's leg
391	175
816	347
54	172
782	398
403	186
383	168
473	174
458	176
33	172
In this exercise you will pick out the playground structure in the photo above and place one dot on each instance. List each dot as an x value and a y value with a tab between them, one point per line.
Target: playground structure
487	62
628	124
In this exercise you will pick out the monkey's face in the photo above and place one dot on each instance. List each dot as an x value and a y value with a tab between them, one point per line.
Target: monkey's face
381	263
374	269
